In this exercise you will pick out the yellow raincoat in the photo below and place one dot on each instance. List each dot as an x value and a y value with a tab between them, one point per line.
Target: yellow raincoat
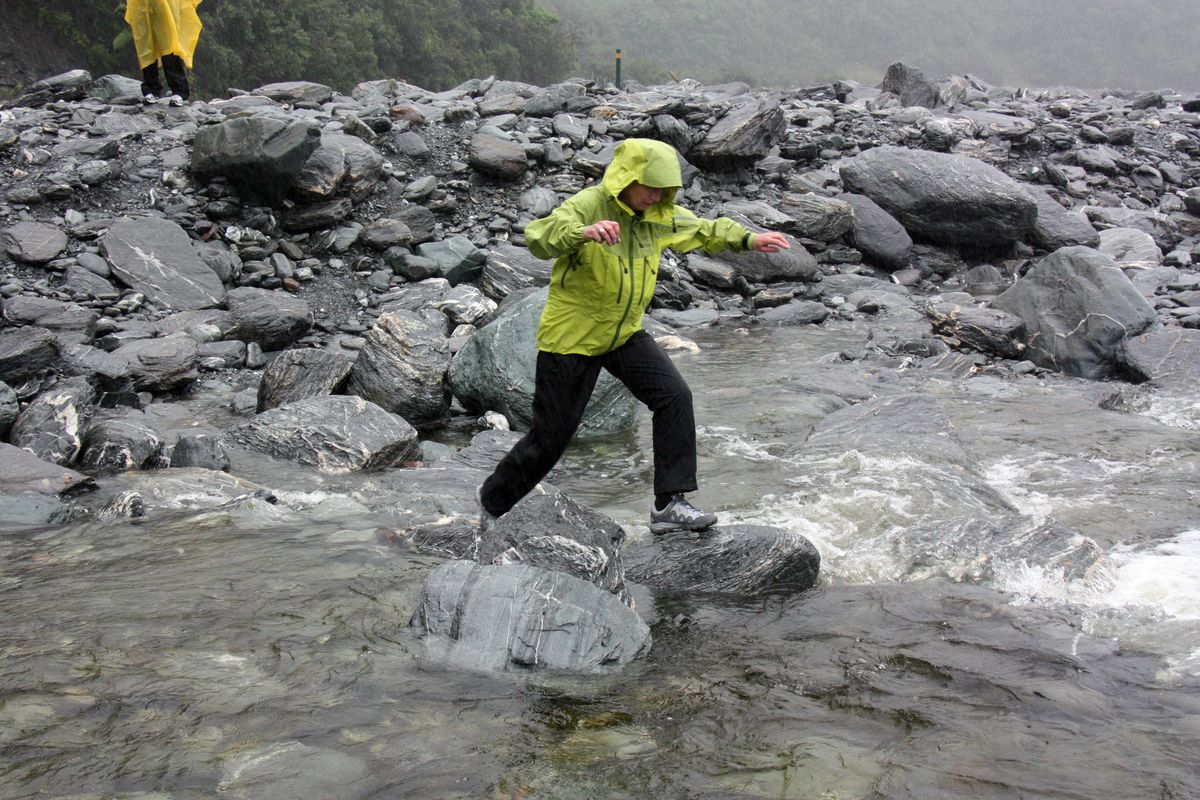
598	292
163	28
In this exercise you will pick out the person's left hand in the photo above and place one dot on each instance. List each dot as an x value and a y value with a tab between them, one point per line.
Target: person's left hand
770	242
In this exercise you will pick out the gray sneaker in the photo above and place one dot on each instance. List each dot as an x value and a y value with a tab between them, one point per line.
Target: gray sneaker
486	518
680	515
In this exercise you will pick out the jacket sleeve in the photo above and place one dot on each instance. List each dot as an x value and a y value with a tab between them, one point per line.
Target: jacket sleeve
709	235
561	232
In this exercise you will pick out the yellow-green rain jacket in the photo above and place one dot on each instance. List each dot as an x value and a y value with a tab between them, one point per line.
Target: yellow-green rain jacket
163	28
598	292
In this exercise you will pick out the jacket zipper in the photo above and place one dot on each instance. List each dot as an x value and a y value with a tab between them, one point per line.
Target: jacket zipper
629	302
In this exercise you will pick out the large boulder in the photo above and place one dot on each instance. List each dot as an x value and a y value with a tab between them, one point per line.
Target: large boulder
53	426
72	85
510	268
121	443
341	165
261	154
734	559
1057	226
941	197
824	219
1130	248
456	258
552	531
272	320
793	264
300	374
910	85
293	92
25	352
519	616
877	234
745	133
335	434
498	158
495	371
402	368
1078	307
156	257
159	365
70	322
988	330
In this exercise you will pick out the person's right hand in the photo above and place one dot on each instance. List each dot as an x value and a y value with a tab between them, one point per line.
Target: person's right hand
605	231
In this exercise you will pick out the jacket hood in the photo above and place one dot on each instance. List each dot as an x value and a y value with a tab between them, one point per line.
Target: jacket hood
649	162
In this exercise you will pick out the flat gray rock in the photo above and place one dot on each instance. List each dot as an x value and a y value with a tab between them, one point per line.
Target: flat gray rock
941	197
1167	357
159	365
156	257
25	352
510	268
33	242
22	471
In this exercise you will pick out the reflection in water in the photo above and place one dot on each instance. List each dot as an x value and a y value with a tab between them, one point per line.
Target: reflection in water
261	651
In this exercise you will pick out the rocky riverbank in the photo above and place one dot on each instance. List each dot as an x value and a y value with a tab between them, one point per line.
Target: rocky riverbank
345	277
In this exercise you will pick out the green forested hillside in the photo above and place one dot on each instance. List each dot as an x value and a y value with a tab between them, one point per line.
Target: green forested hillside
1085	43
245	43
1132	44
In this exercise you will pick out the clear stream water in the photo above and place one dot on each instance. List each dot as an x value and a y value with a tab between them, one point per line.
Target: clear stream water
261	651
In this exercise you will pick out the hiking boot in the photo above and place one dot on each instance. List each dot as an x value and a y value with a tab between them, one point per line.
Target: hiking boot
486	518
680	515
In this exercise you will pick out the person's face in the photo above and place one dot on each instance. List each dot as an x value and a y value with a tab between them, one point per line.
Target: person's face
640	197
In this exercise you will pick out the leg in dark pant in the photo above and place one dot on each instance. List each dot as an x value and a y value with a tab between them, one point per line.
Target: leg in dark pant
562	389
650	374
176	75
150	81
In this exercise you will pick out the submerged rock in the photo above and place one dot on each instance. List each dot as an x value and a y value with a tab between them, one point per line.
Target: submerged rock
518	616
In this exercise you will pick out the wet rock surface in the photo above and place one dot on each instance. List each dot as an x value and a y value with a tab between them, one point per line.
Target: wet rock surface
287	252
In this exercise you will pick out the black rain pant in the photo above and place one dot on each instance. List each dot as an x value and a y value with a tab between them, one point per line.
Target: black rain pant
562	388
172	67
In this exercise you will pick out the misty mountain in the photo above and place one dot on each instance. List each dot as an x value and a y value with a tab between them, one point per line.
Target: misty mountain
1130	44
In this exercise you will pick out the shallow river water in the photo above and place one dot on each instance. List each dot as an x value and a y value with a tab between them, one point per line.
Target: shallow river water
1009	607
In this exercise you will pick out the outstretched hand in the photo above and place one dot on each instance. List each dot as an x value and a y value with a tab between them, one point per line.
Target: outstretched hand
606	231
770	242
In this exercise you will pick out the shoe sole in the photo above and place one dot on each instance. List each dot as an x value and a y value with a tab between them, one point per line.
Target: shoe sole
667	527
